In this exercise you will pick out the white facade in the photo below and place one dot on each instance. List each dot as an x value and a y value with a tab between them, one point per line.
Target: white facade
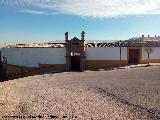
108	53
155	54
32	57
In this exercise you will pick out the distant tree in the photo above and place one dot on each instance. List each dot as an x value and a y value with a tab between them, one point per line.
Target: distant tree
148	50
135	39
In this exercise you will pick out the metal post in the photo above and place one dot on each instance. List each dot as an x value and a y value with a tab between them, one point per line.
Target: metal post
0	58
1	69
4	68
120	54
148	58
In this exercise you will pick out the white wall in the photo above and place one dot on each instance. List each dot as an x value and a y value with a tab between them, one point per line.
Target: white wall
154	55
32	57
110	53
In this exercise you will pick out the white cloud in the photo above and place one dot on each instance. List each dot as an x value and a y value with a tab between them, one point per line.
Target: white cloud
32	11
90	8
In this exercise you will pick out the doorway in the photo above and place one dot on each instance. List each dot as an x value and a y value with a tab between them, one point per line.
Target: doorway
75	63
134	56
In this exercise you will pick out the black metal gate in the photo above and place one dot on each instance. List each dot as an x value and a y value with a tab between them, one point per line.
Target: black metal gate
3	68
75	63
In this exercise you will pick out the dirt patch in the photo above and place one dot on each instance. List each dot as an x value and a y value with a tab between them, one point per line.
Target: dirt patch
116	94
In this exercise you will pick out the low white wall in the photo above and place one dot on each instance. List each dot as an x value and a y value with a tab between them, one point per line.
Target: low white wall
154	55
110	53
32	57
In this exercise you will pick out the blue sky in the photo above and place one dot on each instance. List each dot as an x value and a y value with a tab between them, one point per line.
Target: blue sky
30	21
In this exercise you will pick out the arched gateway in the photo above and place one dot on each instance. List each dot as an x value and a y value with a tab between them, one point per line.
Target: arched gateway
75	53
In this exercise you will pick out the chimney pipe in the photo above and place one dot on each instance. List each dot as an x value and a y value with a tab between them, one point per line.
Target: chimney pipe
148	35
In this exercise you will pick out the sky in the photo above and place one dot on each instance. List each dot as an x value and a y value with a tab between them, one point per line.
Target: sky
38	21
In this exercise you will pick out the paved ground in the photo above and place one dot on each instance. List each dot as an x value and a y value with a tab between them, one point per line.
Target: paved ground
126	94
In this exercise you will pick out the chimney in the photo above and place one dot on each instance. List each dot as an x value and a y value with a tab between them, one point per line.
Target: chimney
148	35
155	36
